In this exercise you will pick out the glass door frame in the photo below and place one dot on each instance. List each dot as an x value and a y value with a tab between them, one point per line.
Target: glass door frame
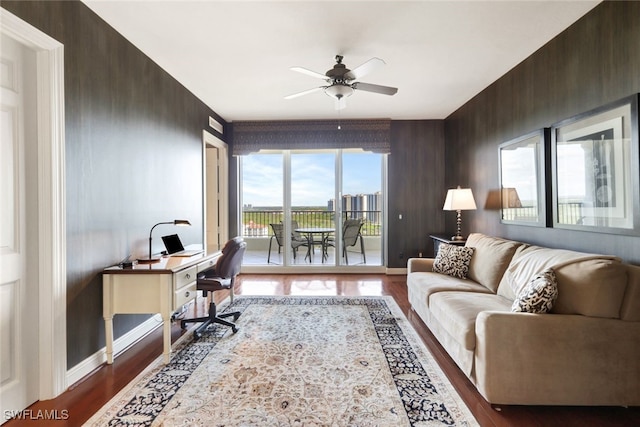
336	266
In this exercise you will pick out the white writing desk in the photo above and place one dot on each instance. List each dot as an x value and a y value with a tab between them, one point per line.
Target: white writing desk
162	288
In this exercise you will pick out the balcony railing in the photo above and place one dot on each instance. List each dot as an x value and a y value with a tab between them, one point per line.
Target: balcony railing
255	223
568	213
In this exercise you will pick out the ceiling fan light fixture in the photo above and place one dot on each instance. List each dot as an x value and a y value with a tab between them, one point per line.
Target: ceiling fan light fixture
339	90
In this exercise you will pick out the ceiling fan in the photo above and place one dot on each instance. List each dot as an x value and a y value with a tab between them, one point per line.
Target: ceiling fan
341	81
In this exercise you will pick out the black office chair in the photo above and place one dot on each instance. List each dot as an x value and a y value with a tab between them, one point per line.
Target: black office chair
222	276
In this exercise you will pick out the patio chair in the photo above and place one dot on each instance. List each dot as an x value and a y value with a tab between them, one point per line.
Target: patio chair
296	235
278	235
351	232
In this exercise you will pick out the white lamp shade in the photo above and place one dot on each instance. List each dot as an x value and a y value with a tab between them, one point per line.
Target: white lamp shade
338	90
459	199
510	198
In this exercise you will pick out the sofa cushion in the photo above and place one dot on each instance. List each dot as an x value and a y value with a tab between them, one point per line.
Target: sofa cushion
588	284
490	258
539	294
453	260
591	288
456	313
425	284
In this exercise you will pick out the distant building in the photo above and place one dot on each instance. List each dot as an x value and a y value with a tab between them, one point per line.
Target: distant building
366	206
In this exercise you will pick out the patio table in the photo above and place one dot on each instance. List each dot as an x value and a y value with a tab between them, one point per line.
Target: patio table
309	232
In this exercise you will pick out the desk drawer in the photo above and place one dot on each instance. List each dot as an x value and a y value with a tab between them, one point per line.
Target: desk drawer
184	295
210	263
185	277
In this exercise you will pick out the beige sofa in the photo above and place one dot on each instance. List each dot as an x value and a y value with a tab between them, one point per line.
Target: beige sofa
586	351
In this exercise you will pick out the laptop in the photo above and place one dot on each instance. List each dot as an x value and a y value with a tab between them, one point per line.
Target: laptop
174	247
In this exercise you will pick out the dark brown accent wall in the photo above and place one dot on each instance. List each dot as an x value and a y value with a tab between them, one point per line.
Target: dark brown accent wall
416	188
592	63
133	158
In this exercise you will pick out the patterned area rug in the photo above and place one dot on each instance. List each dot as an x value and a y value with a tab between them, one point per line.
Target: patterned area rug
296	361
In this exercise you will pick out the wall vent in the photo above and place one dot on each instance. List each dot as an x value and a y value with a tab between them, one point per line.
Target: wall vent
216	125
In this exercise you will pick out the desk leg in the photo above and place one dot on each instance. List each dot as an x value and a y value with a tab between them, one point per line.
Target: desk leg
166	337
108	329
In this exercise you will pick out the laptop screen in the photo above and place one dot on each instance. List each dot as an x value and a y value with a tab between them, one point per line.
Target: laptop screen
172	243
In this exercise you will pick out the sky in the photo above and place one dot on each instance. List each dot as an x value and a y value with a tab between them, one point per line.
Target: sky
519	171
312	177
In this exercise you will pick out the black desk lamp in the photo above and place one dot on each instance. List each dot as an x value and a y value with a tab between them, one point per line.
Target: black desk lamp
151	260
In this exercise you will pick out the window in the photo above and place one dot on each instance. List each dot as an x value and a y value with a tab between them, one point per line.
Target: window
311	193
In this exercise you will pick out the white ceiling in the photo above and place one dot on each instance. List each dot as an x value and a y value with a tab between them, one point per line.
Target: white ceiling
235	55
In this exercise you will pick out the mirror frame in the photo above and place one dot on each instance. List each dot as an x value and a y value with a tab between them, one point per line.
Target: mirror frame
539	140
614	204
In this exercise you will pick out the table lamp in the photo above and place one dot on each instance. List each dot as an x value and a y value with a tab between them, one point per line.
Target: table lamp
459	199
151	260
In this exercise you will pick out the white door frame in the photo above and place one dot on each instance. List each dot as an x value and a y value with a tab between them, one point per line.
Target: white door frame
51	266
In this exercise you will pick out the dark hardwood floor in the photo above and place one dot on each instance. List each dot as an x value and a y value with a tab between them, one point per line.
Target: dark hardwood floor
91	393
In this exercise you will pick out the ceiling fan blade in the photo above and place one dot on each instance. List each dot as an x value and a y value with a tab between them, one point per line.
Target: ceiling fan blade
341	103
364	69
368	87
306	92
309	73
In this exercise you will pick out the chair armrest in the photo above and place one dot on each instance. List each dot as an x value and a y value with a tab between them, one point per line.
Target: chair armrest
419	264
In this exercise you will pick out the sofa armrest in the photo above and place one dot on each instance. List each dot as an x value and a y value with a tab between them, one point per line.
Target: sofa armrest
419	264
555	359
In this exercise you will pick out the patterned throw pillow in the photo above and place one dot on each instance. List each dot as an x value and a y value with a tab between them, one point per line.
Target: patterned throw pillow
539	294
453	260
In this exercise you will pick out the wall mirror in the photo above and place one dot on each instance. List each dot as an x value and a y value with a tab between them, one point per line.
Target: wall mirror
595	170
522	179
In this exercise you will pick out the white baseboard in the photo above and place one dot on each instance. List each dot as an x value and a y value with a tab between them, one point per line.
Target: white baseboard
94	361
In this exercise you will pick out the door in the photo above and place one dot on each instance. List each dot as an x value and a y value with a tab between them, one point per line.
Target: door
216	193
18	219
312	189
361	208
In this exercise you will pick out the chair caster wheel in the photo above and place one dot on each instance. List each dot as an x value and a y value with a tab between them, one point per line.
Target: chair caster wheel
183	325
236	316
196	336
234	329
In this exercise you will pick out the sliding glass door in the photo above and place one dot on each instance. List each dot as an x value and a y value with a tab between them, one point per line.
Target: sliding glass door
362	208
313	177
262	212
313	208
